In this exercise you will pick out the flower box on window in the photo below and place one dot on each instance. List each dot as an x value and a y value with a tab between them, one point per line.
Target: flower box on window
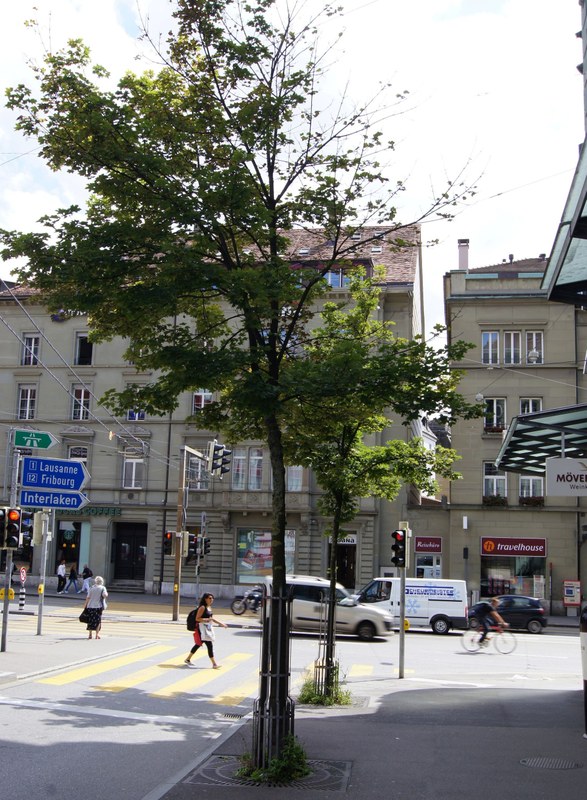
532	501
493	428
494	500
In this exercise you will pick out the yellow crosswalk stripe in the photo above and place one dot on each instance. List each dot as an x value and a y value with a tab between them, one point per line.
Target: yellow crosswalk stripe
236	694
95	668
143	675
360	670
195	680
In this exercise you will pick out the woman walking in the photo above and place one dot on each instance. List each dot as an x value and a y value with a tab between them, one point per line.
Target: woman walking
95	604
204	632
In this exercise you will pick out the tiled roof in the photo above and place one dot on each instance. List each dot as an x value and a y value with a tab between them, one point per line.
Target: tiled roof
397	252
400	261
523	265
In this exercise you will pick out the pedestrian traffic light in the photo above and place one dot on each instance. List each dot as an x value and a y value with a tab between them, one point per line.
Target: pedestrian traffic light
206	545
168	538
13	534
398	548
218	458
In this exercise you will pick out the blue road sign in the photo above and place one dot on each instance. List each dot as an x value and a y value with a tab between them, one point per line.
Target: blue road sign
39	498
53	473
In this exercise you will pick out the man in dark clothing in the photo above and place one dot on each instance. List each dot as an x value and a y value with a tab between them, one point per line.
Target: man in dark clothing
487	615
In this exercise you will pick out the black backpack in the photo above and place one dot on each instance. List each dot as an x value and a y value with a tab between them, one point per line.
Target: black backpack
191	620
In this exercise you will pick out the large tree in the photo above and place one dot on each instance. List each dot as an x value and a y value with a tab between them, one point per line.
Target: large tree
196	172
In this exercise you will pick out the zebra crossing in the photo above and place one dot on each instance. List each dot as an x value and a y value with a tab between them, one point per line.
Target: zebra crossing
159	672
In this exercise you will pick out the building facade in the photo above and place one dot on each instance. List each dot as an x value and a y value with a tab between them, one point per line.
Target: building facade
529	355
51	379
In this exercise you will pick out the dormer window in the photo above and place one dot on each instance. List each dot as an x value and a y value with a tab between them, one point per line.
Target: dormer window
377	248
303	251
356	236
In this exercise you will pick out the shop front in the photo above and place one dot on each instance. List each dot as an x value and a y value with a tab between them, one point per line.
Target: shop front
428	556
511	565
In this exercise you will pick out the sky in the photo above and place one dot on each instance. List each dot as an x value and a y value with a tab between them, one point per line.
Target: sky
493	90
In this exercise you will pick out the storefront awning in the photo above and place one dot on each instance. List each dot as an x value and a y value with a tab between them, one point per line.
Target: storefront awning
532	438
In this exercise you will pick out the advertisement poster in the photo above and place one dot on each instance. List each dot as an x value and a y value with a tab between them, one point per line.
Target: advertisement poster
254	559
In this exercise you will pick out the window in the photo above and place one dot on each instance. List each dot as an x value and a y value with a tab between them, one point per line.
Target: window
197	476
202	398
534	347
27	401
512	347
30	349
134	414
494	481
133	469
81	402
239	461
490	347
247	468
255	468
531	486
529	405
76	453
83	350
294	478
494	414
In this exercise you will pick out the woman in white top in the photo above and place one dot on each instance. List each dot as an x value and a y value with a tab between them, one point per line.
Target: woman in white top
95	604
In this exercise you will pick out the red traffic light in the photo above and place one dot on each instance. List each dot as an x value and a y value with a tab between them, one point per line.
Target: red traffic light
14	514
399	536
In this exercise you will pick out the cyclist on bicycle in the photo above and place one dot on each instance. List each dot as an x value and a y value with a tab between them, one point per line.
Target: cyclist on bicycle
488	618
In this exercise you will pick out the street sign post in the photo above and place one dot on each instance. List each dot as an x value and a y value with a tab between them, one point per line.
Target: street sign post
53	473
41	440
37	498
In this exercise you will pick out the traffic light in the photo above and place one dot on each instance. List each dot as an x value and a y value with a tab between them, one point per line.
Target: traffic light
27	523
192	545
13	522
218	458
168	538
206	545
398	548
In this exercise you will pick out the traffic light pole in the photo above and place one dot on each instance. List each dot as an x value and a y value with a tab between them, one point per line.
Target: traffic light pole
402	621
43	567
180	526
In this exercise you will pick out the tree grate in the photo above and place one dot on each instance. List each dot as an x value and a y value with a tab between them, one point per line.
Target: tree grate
332	776
541	762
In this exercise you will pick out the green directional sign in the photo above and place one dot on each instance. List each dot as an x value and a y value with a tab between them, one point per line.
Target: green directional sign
42	440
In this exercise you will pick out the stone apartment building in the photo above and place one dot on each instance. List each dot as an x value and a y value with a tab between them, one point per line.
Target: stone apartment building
51	379
529	355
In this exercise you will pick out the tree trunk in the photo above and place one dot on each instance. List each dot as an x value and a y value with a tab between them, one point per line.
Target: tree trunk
330	656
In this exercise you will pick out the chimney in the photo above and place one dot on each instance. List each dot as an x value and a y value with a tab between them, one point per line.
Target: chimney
463	254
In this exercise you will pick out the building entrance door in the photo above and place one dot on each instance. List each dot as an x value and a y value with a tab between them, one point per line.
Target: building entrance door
130	551
346	560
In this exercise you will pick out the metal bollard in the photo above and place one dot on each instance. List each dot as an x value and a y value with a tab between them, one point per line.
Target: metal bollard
21	597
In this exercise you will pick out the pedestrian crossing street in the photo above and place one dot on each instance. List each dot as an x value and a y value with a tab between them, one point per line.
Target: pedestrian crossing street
159	672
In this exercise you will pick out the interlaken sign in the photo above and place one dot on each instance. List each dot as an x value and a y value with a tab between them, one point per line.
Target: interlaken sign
566	477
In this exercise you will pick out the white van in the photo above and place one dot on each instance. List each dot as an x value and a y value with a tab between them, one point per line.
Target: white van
440	604
308	612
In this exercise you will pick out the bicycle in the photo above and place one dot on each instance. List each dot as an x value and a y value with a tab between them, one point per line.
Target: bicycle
503	640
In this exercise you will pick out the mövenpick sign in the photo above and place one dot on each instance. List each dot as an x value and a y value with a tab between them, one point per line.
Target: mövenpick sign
566	477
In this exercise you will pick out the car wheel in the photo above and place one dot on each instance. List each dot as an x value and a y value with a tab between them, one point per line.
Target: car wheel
473	623
366	630
441	625
534	626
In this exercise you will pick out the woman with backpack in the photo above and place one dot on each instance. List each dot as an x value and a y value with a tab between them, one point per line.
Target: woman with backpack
204	631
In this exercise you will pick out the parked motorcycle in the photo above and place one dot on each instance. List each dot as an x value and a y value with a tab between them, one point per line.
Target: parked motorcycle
250	601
